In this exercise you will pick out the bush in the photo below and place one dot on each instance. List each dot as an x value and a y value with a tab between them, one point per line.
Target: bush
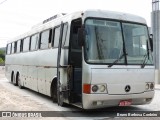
1	61
2	55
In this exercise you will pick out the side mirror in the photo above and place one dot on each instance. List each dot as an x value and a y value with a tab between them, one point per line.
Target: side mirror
151	41
81	36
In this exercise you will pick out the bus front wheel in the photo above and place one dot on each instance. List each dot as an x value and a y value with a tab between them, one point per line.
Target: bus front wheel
54	92
60	98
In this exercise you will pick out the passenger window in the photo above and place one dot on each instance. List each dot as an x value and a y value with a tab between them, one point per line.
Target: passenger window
34	42
9	49
15	47
21	45
26	42
12	51
18	46
56	36
45	39
65	28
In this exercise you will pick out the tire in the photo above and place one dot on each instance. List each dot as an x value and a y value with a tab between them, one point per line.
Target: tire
54	92
19	81
13	79
60	99
12	74
56	95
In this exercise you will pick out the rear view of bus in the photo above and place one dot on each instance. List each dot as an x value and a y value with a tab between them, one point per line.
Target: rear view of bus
118	65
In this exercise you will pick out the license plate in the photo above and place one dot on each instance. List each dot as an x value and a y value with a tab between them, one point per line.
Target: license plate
125	102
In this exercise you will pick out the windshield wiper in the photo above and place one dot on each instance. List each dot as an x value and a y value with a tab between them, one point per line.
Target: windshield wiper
144	60
123	55
145	57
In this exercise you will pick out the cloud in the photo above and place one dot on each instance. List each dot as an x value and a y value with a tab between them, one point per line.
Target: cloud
17	16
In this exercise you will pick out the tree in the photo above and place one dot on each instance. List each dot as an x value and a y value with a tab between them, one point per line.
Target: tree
2	55
1	61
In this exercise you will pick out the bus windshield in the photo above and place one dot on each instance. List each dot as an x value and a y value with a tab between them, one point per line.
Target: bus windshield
107	41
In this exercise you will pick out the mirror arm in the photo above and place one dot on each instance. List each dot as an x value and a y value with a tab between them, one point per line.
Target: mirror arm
151	41
81	36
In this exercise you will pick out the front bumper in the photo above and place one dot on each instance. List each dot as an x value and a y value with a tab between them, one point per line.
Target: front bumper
93	101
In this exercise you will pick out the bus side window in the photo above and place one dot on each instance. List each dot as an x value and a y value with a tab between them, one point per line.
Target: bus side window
26	44
15	47
45	39
18	46
12	51
34	42
21	45
50	38
9	49
56	36
65	28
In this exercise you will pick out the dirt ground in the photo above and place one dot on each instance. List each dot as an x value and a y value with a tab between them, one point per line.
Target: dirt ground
13	101
9	100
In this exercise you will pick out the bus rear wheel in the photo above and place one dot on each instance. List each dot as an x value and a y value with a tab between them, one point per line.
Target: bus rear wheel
19	81
13	79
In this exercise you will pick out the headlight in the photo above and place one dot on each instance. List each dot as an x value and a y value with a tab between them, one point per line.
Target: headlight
147	86
151	86
94	88
102	88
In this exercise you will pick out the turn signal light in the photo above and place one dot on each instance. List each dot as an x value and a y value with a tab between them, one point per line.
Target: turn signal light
87	88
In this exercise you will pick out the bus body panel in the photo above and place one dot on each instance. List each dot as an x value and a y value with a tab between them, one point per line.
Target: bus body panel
117	79
36	71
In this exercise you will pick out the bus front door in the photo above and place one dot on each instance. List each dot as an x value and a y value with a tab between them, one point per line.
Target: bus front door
75	60
60	96
69	77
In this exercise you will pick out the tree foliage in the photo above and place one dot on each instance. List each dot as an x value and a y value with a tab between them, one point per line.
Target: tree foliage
2	56
1	60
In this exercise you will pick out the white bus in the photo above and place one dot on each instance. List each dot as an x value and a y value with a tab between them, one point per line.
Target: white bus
90	59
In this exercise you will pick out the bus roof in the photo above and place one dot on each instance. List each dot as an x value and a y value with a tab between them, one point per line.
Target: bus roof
114	15
53	21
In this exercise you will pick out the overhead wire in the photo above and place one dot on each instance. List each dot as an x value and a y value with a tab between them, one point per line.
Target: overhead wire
3	2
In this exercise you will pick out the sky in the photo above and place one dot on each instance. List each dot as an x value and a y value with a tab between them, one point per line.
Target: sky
18	16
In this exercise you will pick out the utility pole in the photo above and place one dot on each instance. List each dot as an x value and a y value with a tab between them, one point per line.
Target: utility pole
3	2
155	28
